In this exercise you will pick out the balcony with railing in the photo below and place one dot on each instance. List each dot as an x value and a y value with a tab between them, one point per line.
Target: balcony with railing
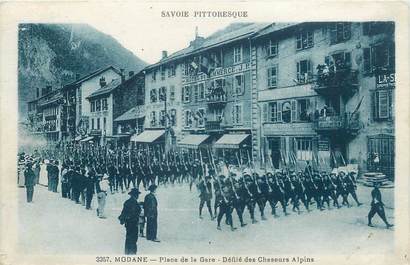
343	81
217	97
213	126
96	132
346	123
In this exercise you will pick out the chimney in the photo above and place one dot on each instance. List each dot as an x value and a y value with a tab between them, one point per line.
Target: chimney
77	76
130	73
122	75
164	54
102	81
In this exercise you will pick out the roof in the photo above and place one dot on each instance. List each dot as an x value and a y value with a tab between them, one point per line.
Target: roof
132	114
233	32
110	87
275	27
46	101
93	74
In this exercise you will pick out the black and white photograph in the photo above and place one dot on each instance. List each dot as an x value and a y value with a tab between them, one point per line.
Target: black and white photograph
226	140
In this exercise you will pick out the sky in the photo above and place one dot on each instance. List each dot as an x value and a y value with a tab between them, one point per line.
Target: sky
158	37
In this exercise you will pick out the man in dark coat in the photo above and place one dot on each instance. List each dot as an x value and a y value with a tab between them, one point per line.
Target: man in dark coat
130	217
205	196
29	182
151	212
377	206
90	187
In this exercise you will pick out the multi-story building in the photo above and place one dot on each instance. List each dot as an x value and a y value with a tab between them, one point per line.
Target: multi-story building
76	105
163	100
212	87
109	102
45	115
326	94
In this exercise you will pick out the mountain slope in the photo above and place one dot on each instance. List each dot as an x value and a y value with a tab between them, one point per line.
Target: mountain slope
52	54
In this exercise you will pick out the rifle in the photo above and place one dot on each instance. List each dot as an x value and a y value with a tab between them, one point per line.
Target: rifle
266	177
254	179
243	178
203	170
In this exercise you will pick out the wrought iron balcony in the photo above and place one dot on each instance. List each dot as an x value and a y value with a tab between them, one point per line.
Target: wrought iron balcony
217	99
345	123
213	126
95	132
341	82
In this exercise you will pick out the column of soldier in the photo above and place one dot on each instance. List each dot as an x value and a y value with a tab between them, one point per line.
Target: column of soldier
237	190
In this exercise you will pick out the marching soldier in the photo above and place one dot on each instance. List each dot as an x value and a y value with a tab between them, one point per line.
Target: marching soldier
195	173
278	194
205	196
377	206
351	187
225	207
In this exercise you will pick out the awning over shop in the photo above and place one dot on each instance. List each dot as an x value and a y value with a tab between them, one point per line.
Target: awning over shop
78	138
193	140
86	139
230	140
148	136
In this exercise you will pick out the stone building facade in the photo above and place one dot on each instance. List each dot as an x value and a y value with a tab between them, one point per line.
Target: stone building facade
326	93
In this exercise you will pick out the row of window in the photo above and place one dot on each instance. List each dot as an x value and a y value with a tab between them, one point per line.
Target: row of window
95	124
300	110
160	94
163	72
378	57
196	92
50	111
286	111
194	118
99	105
161	118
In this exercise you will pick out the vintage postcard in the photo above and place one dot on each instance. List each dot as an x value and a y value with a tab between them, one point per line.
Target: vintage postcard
204	132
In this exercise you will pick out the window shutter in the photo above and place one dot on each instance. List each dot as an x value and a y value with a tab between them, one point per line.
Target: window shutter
333	33
346	30
279	104
242	84
298	70
273	112
366	60
265	112
182	94
233	114
293	112
373	103
240	114
391	104
310	38
383	104
196	93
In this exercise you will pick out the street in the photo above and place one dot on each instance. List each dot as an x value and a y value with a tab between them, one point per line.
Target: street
53	225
